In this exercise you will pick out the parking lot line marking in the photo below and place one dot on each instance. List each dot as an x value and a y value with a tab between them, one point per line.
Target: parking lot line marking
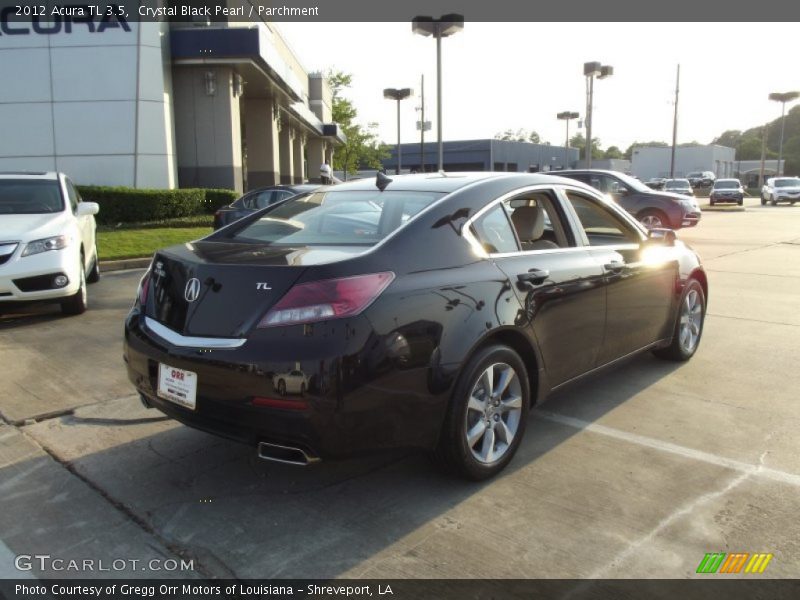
641	440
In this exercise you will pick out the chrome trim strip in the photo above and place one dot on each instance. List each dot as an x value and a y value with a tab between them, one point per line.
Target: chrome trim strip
176	339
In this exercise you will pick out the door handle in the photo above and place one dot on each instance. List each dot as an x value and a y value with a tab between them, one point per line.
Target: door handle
614	266
534	276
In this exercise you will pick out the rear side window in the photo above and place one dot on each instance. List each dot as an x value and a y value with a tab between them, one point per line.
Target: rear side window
494	231
336	217
30	196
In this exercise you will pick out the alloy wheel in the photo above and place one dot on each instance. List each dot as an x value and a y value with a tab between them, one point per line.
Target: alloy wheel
493	413
651	221
691	321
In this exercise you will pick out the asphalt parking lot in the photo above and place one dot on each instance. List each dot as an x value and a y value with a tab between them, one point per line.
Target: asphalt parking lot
636	473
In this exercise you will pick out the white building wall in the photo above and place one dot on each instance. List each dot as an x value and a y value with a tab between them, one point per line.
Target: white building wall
96	105
650	161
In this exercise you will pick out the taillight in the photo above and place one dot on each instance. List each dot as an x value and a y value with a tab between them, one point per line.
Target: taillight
327	299
144	286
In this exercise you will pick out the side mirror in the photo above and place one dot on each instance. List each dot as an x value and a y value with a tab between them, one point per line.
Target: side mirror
88	208
661	236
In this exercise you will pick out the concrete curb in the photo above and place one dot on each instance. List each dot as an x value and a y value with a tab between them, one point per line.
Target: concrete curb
127	263
709	208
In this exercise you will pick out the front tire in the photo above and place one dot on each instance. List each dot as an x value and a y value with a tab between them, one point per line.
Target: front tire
688	324
282	387
79	301
486	416
94	273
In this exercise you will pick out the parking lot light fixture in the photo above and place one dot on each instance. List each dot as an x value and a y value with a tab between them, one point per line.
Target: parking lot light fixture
567	116
590	71
783	98
398	95
442	27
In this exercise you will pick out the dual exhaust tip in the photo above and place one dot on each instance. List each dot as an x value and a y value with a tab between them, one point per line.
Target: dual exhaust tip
289	455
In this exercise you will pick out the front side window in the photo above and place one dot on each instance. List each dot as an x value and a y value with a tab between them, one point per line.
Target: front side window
73	196
335	218
601	226
30	196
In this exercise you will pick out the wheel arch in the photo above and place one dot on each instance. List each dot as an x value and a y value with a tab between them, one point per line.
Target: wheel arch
526	350
700	275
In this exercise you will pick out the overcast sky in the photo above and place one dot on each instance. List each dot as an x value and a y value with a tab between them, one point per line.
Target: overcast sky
519	75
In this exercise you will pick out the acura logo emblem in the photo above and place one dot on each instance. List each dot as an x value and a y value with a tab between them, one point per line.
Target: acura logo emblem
192	290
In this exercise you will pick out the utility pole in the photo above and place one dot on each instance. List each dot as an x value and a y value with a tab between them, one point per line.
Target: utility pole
422	124
675	125
763	154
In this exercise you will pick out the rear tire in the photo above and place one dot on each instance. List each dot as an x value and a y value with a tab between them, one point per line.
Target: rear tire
652	218
79	301
763	201
741	202
688	327
482	430
711	202
282	387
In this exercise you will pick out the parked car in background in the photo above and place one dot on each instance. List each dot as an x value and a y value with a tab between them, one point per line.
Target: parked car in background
726	190
291	382
781	189
656	183
679	186
256	200
653	209
701	179
436	327
47	241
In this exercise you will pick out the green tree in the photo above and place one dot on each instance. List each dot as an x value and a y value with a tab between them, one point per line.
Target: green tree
613	152
520	135
363	148
579	142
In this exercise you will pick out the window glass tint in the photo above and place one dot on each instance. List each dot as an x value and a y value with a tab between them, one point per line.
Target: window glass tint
29	196
536	221
494	231
726	185
336	217
601	226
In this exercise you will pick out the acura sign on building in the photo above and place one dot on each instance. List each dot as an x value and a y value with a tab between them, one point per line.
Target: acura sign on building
113	101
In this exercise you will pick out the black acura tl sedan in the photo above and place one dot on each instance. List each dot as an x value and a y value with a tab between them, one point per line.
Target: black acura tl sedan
424	311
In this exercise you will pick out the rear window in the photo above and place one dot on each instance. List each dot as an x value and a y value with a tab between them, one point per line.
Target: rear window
29	196
360	218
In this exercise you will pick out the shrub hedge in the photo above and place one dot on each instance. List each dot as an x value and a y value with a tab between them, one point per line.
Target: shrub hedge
129	205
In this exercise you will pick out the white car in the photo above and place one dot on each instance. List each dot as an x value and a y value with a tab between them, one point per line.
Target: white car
293	382
781	189
47	241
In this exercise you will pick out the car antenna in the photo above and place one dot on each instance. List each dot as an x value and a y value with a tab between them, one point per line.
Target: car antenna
381	180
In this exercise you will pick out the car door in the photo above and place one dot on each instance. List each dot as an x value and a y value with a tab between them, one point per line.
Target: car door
560	287
640	281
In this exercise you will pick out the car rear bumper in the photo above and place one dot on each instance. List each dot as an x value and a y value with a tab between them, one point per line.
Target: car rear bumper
359	398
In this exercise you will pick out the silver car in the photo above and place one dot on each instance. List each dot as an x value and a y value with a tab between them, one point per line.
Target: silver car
781	189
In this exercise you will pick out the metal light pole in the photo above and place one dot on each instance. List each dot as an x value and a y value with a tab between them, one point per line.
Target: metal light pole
440	28
783	98
398	95
590	71
422	124
675	125
567	116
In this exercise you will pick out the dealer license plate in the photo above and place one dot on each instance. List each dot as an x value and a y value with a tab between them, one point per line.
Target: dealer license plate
177	385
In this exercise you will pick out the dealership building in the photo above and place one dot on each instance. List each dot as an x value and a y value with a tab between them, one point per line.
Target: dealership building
160	105
655	161
482	155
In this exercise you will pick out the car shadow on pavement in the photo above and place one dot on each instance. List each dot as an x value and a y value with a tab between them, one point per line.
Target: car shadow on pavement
238	516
